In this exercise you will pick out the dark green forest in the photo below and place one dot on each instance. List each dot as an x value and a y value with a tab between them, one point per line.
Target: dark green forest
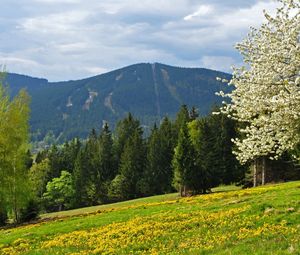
189	154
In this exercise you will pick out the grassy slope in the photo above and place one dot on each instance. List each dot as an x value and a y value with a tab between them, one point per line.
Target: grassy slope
264	220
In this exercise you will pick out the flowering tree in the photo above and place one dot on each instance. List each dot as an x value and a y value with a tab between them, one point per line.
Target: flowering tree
266	98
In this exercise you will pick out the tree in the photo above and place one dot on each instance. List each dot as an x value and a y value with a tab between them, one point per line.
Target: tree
157	177
106	169
69	153
202	137
85	172
266	98
168	142
81	179
150	180
60	192
182	117
184	163
38	175
124	130
14	145
224	166
132	165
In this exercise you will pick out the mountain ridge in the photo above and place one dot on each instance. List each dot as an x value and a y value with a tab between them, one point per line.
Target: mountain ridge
148	90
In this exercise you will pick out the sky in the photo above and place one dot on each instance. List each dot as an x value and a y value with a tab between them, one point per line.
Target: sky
73	39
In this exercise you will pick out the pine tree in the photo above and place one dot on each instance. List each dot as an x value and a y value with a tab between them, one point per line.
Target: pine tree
151	182
184	163
124	130
81	177
168	142
182	117
55	161
69	153
158	172
205	159
132	164
106	170
106	154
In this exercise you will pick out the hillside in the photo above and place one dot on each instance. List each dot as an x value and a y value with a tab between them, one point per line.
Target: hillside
149	91
263	220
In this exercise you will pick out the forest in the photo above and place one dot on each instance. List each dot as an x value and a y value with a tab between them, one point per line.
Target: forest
190	155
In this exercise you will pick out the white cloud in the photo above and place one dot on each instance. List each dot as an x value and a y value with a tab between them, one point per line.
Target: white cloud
94	70
203	10
221	63
55	23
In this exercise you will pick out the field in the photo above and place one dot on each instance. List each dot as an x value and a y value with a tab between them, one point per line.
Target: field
263	220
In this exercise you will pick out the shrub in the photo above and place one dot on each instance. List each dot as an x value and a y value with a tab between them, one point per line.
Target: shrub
30	212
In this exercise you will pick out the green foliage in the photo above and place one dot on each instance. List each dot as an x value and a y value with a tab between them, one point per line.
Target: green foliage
60	192
118	188
14	145
39	175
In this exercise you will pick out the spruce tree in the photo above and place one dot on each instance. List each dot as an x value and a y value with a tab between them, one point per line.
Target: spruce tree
182	117
81	177
106	170
132	164
205	159
124	130
151	182
184	163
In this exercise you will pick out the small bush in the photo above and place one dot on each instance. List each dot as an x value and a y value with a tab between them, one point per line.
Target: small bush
30	212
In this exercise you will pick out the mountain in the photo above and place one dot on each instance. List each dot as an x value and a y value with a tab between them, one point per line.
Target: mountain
149	91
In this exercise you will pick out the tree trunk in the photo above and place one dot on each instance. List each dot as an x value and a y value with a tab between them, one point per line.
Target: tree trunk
263	171
255	173
15	206
184	190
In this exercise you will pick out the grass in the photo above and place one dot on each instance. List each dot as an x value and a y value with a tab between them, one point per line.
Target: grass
263	220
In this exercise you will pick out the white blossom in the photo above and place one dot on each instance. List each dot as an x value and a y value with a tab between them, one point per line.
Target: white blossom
266	95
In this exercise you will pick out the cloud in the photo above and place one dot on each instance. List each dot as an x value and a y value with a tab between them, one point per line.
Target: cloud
219	62
203	10
70	39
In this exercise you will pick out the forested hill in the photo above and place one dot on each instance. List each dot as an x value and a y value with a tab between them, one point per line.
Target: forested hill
149	91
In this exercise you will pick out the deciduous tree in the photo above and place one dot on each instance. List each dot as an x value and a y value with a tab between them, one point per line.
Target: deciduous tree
266	95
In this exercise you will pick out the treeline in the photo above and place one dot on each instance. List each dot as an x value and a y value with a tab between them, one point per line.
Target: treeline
189	154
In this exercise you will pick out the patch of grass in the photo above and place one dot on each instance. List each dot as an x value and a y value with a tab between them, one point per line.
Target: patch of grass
106	207
263	220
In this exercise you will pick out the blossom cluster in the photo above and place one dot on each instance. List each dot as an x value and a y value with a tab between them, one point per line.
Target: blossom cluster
266	95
